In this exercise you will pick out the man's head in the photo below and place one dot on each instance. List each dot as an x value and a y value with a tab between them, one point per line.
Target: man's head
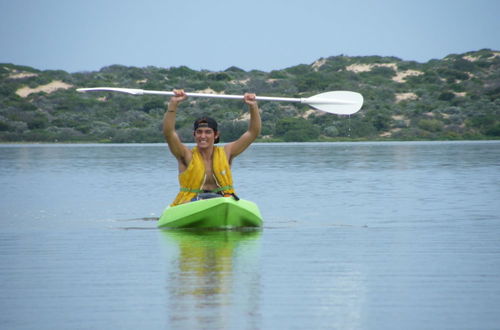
206	125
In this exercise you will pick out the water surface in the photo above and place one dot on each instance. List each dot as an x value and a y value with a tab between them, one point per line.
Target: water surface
356	236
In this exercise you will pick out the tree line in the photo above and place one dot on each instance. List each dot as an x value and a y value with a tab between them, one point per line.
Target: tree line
456	97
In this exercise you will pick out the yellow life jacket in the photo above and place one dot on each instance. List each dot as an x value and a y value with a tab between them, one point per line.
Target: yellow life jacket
192	179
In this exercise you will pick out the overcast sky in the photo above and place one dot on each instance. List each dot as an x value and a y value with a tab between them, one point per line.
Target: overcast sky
77	35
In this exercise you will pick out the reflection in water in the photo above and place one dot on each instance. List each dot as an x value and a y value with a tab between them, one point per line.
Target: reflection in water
214	278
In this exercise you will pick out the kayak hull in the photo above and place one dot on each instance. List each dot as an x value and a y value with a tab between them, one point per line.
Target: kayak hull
221	213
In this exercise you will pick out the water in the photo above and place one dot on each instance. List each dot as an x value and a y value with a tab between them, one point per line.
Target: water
356	236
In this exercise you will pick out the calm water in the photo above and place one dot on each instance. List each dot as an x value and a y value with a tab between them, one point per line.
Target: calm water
356	236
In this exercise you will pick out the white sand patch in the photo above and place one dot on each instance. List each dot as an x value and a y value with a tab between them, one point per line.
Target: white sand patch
368	67
471	58
401	118
244	117
308	113
209	91
240	82
318	64
405	96
359	68
393	66
49	88
21	75
390	132
402	75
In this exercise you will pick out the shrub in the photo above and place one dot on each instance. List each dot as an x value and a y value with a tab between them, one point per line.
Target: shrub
296	130
430	125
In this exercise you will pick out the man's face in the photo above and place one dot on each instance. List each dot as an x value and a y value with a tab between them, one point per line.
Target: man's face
205	137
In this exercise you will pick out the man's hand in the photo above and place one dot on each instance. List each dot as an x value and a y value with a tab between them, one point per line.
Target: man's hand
178	97
249	99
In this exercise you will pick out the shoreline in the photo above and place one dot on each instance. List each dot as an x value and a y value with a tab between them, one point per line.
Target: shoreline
258	141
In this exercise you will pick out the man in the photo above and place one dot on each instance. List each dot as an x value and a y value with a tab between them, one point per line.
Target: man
206	169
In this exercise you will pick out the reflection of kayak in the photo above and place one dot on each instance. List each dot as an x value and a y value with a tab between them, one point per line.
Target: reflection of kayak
209	238
222	212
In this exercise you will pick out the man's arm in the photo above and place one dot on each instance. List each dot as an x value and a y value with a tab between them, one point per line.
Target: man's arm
177	148
235	148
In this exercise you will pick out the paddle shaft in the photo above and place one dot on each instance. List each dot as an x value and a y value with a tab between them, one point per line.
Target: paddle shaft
258	98
224	96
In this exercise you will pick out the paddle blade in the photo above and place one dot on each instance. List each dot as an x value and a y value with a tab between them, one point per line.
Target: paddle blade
338	102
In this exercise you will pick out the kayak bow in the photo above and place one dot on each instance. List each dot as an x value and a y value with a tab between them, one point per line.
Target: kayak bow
221	212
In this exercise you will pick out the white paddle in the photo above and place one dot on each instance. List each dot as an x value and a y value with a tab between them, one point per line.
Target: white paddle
339	102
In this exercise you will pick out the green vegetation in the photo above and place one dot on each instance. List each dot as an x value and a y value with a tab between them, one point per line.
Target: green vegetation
457	97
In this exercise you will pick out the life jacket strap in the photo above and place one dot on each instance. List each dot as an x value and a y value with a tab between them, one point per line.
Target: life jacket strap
199	191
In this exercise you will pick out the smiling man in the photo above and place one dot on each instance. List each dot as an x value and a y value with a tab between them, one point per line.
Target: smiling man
205	170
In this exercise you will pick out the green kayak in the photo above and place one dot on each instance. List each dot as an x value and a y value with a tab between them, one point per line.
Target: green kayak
221	212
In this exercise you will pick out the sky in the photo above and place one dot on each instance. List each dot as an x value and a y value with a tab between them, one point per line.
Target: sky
86	35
